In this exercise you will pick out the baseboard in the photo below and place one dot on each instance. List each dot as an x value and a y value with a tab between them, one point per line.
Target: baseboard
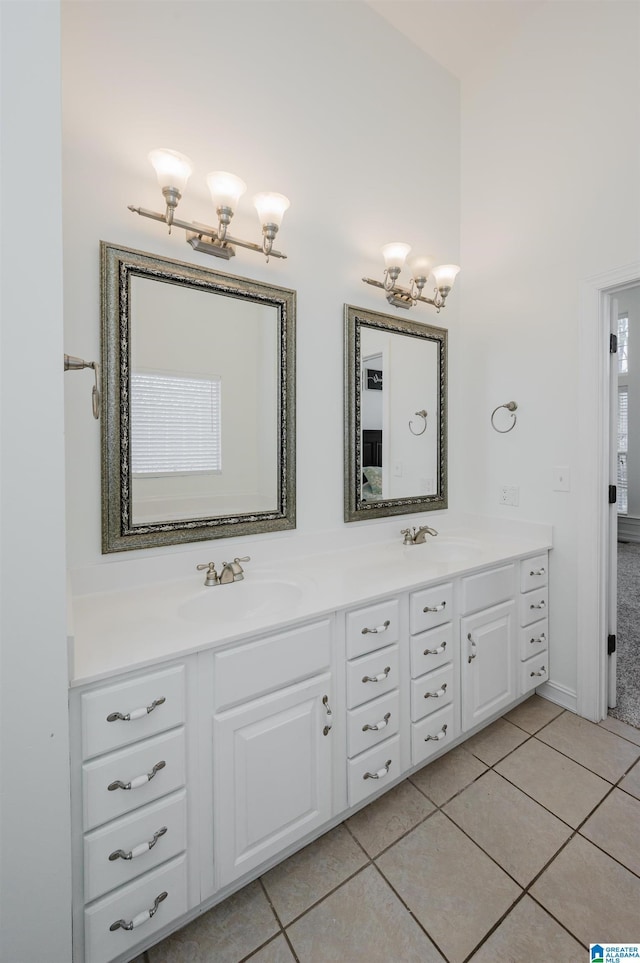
628	528
559	694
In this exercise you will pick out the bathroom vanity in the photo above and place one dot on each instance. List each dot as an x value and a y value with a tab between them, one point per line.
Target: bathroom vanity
217	730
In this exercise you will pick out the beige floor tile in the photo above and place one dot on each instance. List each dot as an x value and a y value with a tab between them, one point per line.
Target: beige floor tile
589	744
444	878
621	729
496	741
362	922
442	779
388	818
556	782
225	934
513	829
277	951
631	782
592	895
614	828
294	885
533	714
523	933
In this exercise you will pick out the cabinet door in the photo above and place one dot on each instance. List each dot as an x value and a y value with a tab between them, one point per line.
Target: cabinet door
488	647
272	775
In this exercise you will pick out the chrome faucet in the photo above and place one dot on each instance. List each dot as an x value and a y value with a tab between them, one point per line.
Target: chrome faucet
413	536
231	571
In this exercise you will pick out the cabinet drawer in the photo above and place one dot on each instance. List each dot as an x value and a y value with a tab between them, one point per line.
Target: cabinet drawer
533	606
373	770
431	607
534	672
372	723
433	733
485	589
132	834
102	804
534	639
247	671
534	573
150	704
431	692
132	903
430	650
372	628
372	675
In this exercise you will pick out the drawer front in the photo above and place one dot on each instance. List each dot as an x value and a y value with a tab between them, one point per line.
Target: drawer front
534	639
533	606
431	607
164	821
152	703
372	628
431	692
534	573
534	672
430	650
250	670
373	770
433	733
102	804
371	676
485	589
132	903
372	723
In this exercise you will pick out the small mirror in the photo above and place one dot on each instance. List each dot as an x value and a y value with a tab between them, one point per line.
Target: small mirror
395	445
198	403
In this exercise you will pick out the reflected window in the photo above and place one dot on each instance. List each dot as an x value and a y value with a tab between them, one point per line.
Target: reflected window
623	445
623	344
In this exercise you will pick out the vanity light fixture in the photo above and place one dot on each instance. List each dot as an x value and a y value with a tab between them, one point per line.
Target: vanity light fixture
395	255
173	171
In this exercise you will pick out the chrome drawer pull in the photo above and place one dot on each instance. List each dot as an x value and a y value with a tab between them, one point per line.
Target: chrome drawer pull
539	571
379	628
437	651
541	638
543	671
435	608
540	605
141	917
473	648
329	725
377	678
140	849
381	773
139	780
379	725
136	713
437	695
439	736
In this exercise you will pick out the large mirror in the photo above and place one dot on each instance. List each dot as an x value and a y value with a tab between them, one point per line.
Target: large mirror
395	416
198	403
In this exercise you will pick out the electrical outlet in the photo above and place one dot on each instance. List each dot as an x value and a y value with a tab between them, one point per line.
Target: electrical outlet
509	495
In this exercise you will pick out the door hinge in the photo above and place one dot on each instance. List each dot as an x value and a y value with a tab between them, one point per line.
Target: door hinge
613	494
613	343
611	644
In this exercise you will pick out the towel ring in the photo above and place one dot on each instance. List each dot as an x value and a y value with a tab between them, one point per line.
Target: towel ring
422	414
77	364
510	406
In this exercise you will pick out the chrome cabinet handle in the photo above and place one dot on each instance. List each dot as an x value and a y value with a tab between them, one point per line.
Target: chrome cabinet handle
539	571
435	608
379	628
440	735
473	648
437	651
541	638
381	773
139	780
136	713
540	605
329	725
377	678
141	917
379	725
140	849
543	671
438	694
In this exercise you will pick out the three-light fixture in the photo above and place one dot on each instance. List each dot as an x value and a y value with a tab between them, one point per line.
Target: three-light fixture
395	255
173	171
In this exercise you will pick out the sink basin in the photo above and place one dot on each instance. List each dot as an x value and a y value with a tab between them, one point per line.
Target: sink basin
241	600
442	549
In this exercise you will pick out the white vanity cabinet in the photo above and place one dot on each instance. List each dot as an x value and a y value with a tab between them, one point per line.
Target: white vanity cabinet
534	623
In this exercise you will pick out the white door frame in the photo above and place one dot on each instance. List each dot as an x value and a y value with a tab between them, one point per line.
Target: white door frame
594	477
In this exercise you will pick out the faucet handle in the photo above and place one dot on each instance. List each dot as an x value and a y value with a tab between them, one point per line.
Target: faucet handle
408	538
237	569
212	575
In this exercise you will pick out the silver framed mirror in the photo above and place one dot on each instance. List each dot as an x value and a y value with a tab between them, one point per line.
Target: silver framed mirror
395	417
198	403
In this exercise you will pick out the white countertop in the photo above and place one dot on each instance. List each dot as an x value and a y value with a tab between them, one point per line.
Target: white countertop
116	631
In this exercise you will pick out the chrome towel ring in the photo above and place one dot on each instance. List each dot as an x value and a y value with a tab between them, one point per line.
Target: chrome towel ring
510	406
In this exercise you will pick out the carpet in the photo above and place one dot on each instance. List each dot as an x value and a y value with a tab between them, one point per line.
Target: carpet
628	635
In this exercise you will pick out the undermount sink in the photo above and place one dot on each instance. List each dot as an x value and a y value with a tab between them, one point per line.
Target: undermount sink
440	548
241	600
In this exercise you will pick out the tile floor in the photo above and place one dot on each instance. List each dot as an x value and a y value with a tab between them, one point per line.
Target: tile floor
523	844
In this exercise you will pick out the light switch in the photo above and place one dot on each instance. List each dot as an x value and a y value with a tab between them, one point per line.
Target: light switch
561	479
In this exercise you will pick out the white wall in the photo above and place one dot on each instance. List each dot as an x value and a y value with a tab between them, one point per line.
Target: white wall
550	197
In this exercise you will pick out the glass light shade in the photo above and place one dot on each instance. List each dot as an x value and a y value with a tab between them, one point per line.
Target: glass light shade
271	207
226	189
395	254
172	169
444	275
420	266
